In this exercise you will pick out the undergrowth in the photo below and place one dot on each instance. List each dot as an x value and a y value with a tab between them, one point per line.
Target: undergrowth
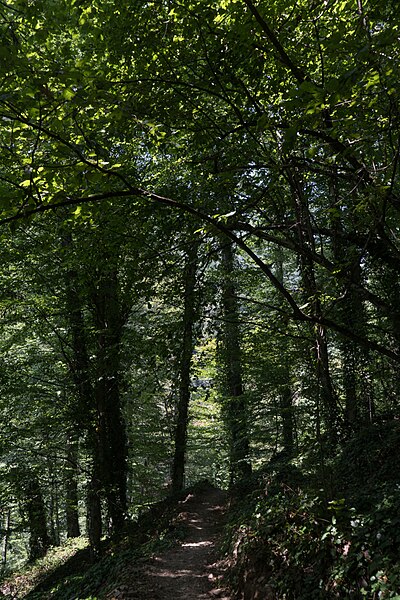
292	538
67	573
20	583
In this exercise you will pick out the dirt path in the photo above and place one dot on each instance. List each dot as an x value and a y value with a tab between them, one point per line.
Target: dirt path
188	571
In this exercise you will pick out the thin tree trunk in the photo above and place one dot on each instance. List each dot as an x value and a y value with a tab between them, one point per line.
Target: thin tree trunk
286	393
54	530
320	349
357	387
6	537
236	406
358	394
71	489
53	515
286	407
93	515
189	316
391	282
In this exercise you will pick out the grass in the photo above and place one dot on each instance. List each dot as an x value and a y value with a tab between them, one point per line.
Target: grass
66	573
23	581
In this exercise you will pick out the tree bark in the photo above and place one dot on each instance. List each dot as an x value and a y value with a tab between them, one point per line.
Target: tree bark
359	404
93	516
236	406
6	537
286	393
110	424
189	316
81	374
329	400
71	489
39	541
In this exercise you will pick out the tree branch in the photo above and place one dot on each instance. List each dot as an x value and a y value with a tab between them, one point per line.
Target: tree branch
283	55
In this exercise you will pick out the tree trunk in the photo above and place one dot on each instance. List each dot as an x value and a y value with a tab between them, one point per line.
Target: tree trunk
54	519
110	425
71	489
391	284
81	373
53	504
236	406
358	394
286	393
34	507
97	382
6	537
189	316
357	387
287	418
329	400
93	515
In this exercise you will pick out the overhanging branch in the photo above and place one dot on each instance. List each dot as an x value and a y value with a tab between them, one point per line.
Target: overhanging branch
297	313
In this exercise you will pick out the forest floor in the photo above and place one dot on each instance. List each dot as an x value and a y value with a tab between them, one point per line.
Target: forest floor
190	569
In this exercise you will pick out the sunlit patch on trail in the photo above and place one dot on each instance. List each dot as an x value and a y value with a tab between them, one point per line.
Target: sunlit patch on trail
197	544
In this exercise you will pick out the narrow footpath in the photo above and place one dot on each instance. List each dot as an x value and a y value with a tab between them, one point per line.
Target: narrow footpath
188	571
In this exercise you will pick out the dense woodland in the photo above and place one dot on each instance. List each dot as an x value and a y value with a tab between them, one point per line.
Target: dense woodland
199	211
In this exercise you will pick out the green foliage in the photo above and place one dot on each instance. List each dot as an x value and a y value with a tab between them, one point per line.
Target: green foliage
274	125
69	573
368	465
285	538
24	580
207	444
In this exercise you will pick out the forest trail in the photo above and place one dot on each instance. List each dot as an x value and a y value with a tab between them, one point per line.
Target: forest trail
188	571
